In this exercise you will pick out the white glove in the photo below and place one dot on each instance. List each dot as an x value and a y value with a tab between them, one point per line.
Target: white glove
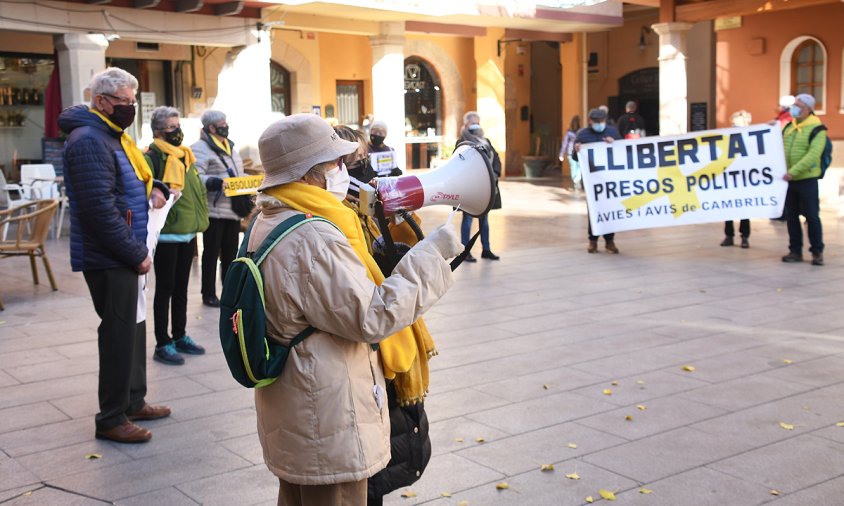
444	240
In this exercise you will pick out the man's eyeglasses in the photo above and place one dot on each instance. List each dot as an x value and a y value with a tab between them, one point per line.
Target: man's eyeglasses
121	100
171	128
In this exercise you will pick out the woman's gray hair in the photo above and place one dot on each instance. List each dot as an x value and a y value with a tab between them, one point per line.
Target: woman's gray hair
109	81
160	115
469	115
211	116
315	174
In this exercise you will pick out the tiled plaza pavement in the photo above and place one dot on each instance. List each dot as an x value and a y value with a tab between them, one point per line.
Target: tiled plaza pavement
530	349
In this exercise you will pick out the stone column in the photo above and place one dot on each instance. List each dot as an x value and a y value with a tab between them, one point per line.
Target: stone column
673	89
243	93
388	84
80	56
491	102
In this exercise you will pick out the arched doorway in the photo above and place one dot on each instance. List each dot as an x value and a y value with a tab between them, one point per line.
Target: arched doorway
423	110
280	88
640	86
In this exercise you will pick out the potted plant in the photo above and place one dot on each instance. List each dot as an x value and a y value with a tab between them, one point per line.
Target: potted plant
535	162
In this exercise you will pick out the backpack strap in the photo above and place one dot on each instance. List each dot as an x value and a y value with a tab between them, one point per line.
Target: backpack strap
815	131
279	233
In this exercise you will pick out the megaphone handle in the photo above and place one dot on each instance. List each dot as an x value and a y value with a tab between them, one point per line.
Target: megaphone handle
392	252
462	256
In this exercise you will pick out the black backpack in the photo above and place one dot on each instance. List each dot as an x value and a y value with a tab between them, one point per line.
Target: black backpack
826	155
254	360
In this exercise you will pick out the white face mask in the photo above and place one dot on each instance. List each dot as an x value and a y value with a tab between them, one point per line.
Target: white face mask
337	181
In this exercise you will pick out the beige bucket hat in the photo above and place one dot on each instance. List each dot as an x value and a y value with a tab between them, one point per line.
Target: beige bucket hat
292	145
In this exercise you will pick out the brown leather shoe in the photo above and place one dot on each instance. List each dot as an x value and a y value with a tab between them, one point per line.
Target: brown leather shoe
817	258
611	247
593	247
126	432
149	412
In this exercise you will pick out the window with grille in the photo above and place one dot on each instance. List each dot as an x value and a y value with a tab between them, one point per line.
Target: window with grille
807	71
349	103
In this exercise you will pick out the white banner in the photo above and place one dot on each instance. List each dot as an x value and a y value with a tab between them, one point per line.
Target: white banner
699	177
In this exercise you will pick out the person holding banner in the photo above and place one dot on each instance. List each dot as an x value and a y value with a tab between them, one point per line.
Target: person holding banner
174	164
216	159
803	159
597	131
382	157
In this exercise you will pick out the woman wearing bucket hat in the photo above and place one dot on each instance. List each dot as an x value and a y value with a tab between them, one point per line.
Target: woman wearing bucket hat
324	425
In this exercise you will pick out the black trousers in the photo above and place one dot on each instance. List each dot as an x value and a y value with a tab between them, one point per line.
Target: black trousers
121	342
802	198
172	273
219	241
592	237
744	228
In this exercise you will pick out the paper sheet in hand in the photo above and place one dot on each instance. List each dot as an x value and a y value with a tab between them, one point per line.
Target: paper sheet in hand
155	223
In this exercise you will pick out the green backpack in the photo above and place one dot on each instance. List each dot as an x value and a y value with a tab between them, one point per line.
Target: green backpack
254	360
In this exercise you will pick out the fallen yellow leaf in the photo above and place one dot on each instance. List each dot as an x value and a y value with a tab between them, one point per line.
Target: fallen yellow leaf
839	424
546	387
607	391
614	383
502	486
458	440
445	494
93	456
479	440
573	476
779	289
463	503
787	361
546	467
629	418
198	317
775	492
573	445
688	368
28	493
408	493
786	426
641	407
606	494
644	490
589	499
640	382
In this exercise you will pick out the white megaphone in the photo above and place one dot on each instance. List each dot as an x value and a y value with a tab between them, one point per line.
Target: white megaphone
465	180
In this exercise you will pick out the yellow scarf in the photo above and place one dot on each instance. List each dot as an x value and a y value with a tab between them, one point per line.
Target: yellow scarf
174	168
404	355
135	156
225	146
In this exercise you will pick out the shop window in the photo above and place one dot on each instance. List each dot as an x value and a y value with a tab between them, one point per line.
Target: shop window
349	103
803	70
280	88
423	99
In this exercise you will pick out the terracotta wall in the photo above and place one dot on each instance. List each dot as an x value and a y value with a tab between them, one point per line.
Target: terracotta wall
517	94
344	57
748	62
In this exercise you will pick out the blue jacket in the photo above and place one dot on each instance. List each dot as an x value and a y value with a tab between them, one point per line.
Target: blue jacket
108	203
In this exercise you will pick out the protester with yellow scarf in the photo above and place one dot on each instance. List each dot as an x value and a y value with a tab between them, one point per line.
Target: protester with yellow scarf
322	275
174	164
111	189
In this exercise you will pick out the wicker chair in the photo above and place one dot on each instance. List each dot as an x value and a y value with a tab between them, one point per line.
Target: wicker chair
33	225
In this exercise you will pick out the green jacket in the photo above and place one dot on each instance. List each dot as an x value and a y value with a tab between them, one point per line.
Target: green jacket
802	160
189	214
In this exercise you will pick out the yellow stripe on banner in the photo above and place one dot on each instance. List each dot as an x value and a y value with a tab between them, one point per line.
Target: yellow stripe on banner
244	185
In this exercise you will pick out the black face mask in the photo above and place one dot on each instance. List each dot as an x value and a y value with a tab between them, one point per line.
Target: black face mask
376	140
222	131
362	170
123	115
175	137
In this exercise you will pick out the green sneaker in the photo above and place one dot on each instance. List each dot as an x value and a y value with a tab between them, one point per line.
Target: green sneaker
186	345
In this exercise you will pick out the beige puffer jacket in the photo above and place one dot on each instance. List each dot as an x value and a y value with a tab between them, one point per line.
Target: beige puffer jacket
319	423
